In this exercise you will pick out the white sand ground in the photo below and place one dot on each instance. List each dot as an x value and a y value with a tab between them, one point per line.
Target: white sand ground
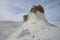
8	27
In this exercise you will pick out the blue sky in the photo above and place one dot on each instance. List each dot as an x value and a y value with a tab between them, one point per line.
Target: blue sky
13	10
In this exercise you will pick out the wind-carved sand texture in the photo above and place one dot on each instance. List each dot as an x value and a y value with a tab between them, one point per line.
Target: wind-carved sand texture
24	33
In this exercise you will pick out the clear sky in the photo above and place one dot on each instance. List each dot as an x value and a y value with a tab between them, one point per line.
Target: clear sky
13	10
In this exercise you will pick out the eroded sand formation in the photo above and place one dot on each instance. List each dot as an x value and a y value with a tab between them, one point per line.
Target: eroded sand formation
36	27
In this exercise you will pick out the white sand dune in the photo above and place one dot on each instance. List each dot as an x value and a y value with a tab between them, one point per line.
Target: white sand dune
36	27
